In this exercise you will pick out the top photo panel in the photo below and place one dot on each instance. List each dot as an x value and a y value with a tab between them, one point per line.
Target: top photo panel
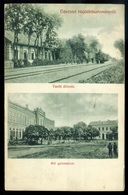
64	43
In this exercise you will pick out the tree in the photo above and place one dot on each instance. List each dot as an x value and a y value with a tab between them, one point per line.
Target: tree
119	44
40	26
95	132
58	134
80	130
33	133
113	134
93	47
67	132
109	136
89	131
114	130
51	135
29	25
65	52
51	39
14	21
78	47
92	132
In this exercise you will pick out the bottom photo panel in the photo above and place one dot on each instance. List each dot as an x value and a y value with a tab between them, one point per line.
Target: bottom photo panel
62	126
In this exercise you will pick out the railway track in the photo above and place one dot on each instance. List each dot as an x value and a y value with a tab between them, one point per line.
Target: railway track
37	72
77	74
56	69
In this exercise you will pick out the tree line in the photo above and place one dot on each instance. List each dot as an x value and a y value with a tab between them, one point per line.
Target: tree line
80	131
79	49
36	24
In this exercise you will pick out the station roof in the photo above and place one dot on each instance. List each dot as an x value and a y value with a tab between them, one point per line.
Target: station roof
23	39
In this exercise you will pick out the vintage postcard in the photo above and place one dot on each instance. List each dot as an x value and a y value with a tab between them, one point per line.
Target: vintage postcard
64	43
64	97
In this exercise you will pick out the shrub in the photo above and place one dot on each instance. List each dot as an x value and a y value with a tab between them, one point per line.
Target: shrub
16	64
12	142
27	63
45	62
21	63
37	62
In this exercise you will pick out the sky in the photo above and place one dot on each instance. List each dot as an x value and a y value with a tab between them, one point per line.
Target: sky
107	28
68	109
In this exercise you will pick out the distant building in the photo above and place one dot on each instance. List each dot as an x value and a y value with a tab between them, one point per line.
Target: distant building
20	117
104	127
23	52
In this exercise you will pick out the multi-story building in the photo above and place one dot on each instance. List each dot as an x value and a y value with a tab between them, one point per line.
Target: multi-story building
20	117
104	127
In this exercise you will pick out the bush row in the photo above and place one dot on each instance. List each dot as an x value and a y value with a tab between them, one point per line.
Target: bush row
36	62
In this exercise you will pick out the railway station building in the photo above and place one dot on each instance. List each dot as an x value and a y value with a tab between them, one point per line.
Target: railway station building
104	127
23	51
20	117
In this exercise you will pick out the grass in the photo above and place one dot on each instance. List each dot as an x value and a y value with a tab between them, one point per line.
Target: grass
113	74
79	151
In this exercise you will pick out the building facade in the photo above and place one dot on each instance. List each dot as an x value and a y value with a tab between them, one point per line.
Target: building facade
24	52
20	117
104	127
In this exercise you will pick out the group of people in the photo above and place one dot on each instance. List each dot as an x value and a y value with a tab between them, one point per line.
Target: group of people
112	150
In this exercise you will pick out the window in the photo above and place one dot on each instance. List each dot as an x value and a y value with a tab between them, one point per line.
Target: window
32	56
20	134
106	128
99	128
49	56
17	133
25	55
102	128
45	55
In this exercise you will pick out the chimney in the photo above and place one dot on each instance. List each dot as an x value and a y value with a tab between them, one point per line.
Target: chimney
27	106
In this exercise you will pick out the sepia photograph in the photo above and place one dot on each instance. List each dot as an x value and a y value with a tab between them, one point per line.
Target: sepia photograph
64	43
63	125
